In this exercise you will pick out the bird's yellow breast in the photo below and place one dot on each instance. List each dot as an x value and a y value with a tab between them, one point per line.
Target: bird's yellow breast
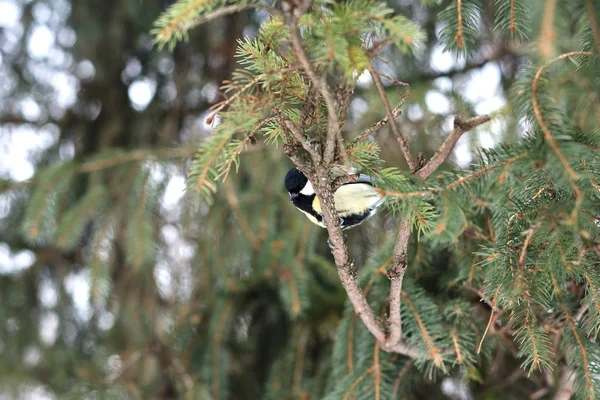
313	219
354	198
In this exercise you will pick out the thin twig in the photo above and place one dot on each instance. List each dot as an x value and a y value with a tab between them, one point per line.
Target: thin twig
378	125
487	328
377	47
401	140
395	112
221	12
480	293
298	136
219	106
460	127
453	184
526	244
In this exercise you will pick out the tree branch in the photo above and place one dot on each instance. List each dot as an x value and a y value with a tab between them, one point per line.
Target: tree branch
396	276
445	149
324	184
564	391
398	268
333	123
548	136
392	120
345	265
318	170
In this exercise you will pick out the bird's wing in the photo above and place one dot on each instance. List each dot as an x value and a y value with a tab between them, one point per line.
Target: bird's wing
354	198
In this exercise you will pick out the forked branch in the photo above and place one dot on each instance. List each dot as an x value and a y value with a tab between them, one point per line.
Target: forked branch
319	171
460	127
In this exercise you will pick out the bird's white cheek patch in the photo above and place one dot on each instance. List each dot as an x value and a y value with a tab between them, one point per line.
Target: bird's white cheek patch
307	190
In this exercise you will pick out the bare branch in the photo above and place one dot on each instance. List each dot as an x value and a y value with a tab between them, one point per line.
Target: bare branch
345	265
401	140
396	275
377	47
445	149
564	390
399	264
378	125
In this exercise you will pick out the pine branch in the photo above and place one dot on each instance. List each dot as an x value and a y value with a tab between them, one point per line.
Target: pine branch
461	21
173	25
594	23
538	113
219	106
333	124
140	231
514	16
73	222
433	351
135	155
399	378
459	28
40	214
582	349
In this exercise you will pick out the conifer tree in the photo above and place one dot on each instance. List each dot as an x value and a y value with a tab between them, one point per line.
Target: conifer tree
476	282
523	223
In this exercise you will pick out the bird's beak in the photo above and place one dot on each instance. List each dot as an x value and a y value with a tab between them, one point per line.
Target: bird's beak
293	196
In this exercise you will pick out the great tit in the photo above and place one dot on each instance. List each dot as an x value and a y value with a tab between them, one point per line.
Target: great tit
355	201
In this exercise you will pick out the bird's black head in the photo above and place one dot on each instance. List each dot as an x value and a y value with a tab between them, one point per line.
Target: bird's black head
295	181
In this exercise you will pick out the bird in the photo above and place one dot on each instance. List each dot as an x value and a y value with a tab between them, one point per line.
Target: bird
355	201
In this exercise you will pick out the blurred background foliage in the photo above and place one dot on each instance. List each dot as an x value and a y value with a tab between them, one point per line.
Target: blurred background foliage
116	283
